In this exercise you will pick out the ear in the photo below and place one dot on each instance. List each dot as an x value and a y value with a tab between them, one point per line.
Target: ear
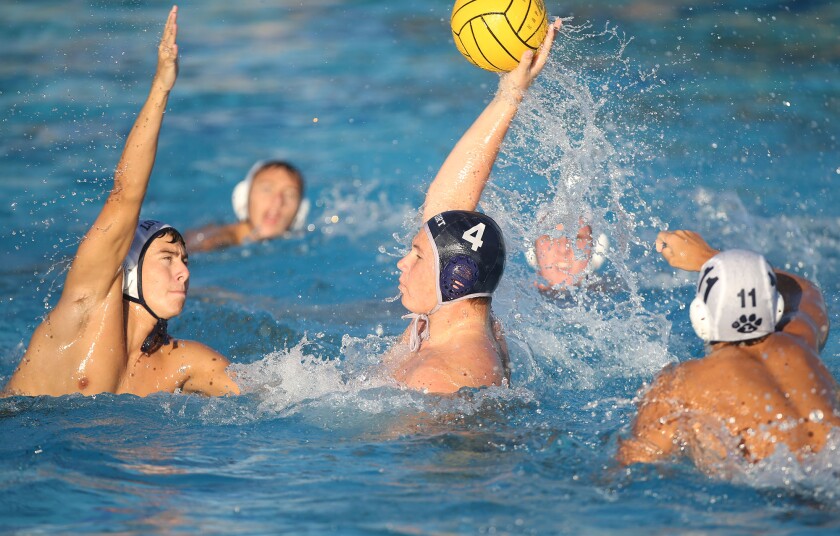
531	257
780	307
600	248
239	199
699	314
300	217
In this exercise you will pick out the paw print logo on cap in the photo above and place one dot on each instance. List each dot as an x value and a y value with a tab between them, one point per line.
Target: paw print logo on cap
746	324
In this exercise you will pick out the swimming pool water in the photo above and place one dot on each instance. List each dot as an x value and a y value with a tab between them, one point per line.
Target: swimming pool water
722	117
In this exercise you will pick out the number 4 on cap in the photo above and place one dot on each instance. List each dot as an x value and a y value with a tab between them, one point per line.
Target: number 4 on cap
473	236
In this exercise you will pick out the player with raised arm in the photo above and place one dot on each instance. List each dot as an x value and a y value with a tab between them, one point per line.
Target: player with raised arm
762	383
107	333
457	258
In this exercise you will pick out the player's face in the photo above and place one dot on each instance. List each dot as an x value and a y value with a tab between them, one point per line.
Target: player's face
562	260
166	277
273	202
417	280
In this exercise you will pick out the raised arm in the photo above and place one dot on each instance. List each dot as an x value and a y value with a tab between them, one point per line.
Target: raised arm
104	247
461	179
685	250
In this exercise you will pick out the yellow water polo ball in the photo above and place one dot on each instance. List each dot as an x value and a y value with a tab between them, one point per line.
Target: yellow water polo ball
493	34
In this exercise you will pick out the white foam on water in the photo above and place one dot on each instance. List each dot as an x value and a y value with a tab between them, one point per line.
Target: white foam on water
351	391
816	476
790	243
357	209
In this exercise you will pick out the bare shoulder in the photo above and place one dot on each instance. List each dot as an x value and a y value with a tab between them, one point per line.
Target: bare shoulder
195	352
668	383
205	367
803	327
450	368
806	315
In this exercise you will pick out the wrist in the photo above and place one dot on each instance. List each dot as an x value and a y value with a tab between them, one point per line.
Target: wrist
510	94
159	89
709	254
703	258
512	87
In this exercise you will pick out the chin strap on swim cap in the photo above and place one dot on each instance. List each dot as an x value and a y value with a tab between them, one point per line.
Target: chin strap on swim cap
469	259
415	335
157	338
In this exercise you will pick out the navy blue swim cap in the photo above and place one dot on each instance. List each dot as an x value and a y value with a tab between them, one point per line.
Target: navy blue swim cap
470	253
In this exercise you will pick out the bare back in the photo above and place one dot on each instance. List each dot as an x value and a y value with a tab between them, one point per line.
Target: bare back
748	397
775	391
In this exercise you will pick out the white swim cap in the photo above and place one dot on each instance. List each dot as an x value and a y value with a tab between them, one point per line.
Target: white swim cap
242	192
599	249
737	298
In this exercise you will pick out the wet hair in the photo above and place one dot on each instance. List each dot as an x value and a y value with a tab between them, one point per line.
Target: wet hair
481	301
174	236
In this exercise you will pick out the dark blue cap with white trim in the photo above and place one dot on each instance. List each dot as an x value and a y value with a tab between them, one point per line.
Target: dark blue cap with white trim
470	253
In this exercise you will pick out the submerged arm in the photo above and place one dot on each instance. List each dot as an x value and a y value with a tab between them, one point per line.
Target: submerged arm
213	237
461	179
101	252
654	430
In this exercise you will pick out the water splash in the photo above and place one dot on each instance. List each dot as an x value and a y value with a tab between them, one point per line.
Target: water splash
815	476
357	210
574	152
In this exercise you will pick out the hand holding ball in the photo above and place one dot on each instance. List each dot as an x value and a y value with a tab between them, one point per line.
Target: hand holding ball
493	34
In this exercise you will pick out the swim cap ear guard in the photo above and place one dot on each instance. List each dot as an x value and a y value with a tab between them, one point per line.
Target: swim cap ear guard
242	192
599	250
737	298
147	231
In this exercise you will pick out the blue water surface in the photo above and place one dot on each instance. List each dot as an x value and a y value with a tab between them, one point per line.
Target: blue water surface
722	117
